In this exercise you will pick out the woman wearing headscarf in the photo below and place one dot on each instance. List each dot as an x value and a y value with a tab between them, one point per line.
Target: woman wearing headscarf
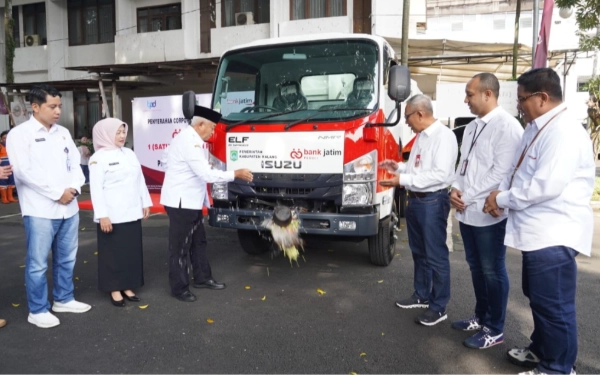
120	199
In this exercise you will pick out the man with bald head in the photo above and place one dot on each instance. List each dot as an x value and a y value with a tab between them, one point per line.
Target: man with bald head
426	176
488	148
183	195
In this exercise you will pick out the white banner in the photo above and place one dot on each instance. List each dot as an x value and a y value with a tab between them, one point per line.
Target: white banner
156	120
318	152
236	101
450	99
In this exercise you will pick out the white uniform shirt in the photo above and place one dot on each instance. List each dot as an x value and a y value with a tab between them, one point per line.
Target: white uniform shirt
430	166
45	163
117	186
549	200
84	159
498	138
188	172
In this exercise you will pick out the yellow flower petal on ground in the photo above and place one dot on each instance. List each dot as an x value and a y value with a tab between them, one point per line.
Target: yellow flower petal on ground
76	278
83	228
96	253
379	282
23	266
321	291
363	354
16	304
247	287
85	261
209	321
353	373
264	298
268	271
382	334
143	307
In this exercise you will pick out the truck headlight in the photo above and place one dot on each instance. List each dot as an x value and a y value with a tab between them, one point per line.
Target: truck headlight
359	180
363	168
357	194
218	190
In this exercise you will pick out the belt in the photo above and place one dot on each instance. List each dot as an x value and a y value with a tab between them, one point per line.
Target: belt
415	194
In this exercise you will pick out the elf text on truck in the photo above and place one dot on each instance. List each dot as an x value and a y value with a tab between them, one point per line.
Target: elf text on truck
310	116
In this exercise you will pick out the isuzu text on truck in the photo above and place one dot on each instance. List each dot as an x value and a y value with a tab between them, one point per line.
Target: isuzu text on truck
311	117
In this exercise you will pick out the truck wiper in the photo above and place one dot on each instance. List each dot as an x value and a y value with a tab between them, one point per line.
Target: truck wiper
319	111
231	126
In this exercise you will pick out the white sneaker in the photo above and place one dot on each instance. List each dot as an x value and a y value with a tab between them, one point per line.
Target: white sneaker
71	306
43	320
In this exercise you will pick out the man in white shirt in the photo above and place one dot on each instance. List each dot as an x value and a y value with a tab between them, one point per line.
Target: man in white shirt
45	163
488	148
183	195
84	154
427	175
550	220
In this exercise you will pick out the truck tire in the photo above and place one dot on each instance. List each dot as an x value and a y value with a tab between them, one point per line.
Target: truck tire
252	242
382	246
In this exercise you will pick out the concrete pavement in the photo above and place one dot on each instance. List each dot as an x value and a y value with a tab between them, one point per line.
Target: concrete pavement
353	327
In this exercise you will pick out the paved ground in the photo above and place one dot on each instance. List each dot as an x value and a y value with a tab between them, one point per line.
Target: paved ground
280	325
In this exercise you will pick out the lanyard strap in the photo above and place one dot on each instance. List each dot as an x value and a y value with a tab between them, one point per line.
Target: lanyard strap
475	137
512	177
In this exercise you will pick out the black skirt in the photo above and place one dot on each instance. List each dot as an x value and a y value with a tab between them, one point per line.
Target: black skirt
120	257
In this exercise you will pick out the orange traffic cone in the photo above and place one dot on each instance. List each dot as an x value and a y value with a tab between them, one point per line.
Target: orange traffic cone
10	195
3	194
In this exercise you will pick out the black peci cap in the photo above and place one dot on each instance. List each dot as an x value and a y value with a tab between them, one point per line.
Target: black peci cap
207	113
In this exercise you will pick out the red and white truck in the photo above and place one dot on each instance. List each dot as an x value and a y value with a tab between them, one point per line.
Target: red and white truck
311	116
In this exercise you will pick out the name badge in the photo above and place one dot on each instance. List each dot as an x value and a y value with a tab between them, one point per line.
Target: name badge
463	169
418	161
40	139
115	163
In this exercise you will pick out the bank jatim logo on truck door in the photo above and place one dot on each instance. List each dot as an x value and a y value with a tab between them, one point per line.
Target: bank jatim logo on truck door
281	164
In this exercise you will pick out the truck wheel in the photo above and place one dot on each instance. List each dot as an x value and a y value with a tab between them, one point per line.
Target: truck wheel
382	246
252	242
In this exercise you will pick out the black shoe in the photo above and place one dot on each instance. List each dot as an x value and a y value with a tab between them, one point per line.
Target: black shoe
431	318
186	296
120	303
210	284
413	303
133	298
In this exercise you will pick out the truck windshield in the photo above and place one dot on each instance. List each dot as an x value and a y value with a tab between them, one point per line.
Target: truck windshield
325	80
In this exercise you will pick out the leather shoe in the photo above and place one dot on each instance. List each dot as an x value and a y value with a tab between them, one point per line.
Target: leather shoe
186	296
133	298
210	284
120	303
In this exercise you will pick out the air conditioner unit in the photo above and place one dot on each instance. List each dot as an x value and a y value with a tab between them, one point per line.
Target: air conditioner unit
244	18
32	40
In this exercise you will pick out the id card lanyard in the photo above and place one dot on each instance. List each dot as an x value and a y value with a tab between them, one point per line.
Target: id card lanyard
68	159
512	176
463	168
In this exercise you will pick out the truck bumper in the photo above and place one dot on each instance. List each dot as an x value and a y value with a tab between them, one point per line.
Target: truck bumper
310	223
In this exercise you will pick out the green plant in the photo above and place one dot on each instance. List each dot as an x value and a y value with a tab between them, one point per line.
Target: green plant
593	111
596	193
89	145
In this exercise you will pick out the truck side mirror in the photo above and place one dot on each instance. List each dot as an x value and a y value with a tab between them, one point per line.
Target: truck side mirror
399	83
188	104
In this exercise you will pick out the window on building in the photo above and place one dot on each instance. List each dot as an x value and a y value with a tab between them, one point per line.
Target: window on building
91	21
260	10
583	83
34	22
88	111
161	18
303	9
16	32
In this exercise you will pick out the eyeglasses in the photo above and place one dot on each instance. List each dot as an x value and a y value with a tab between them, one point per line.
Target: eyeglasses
408	115
522	100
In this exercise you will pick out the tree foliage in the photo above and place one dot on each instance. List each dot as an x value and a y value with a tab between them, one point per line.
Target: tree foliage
587	14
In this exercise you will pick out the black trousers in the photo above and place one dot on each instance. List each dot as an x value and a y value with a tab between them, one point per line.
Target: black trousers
186	236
